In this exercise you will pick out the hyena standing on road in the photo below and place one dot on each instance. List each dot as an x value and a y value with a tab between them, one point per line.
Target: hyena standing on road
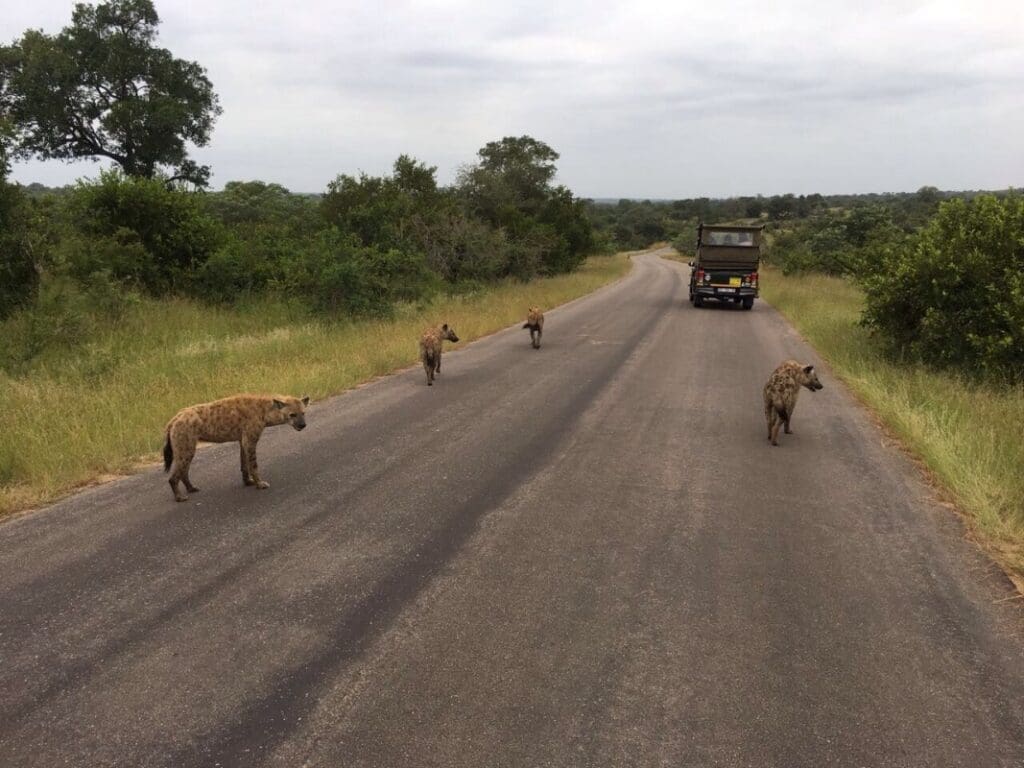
781	391
535	322
242	418
430	349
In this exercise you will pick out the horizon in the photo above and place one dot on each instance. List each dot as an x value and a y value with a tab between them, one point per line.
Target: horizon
610	200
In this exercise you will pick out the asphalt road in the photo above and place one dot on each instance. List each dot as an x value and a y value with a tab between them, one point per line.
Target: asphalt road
586	555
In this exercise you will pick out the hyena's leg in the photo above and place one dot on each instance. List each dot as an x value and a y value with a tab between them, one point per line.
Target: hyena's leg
254	471
428	366
437	362
184	450
775	427
769	412
786	422
540	332
244	451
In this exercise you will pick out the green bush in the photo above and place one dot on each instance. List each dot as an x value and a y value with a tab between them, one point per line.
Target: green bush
256	261
19	276
121	255
838	243
338	275
953	295
567	220
171	225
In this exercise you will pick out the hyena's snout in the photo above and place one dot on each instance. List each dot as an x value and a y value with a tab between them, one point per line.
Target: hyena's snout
299	422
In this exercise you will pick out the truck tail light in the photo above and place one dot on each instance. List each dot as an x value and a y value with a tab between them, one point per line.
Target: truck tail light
700	275
752	277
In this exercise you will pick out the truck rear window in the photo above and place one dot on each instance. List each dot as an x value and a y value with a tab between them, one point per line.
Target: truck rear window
728	238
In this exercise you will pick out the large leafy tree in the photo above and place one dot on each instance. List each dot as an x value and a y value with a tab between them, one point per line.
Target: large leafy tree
101	88
512	179
511	189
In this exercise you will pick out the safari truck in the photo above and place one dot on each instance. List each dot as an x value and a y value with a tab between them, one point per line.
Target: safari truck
725	268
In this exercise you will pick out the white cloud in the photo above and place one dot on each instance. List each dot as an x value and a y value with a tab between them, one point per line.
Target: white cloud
641	99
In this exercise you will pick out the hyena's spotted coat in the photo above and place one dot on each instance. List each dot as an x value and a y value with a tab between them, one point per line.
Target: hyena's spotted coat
430	349
239	418
535	322
780	394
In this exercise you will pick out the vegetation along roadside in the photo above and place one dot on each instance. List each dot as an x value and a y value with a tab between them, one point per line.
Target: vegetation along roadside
101	408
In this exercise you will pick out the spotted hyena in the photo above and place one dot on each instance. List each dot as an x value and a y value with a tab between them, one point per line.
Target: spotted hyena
240	418
535	322
430	349
781	391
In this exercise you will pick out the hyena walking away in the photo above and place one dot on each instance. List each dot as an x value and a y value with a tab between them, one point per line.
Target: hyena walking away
535	322
240	418
780	394
430	349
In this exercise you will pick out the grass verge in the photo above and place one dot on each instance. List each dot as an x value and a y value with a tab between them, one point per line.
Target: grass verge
966	434
100	409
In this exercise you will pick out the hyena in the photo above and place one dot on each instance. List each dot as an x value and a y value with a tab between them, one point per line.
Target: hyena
781	391
242	418
535	322
430	349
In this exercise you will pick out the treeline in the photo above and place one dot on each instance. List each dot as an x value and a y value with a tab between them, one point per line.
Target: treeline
638	223
365	243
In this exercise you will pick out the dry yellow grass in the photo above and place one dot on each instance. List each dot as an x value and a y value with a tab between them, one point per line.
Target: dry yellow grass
100	409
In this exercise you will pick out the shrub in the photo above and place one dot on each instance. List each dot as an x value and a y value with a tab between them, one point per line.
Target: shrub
953	295
247	264
121	255
836	243
338	275
19	277
169	224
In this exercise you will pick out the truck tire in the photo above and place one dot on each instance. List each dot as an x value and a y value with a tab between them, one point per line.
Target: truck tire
748	302
698	301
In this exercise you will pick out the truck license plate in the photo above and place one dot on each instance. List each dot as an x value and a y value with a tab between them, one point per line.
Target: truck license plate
734	281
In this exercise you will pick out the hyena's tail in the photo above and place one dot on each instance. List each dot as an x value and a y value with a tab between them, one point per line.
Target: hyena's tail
168	454
527	325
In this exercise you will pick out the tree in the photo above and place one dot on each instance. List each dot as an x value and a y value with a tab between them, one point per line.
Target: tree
512	179
6	134
385	211
528	165
102	89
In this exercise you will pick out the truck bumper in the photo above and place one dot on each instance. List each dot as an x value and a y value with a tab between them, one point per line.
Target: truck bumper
718	292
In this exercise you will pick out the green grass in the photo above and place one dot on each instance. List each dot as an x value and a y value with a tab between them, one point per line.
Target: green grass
967	434
100	409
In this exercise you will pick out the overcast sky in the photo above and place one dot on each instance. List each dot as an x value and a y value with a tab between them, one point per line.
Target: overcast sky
641	99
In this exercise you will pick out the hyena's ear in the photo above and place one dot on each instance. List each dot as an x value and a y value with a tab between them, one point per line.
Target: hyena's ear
278	404
808	369
444	327
305	400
